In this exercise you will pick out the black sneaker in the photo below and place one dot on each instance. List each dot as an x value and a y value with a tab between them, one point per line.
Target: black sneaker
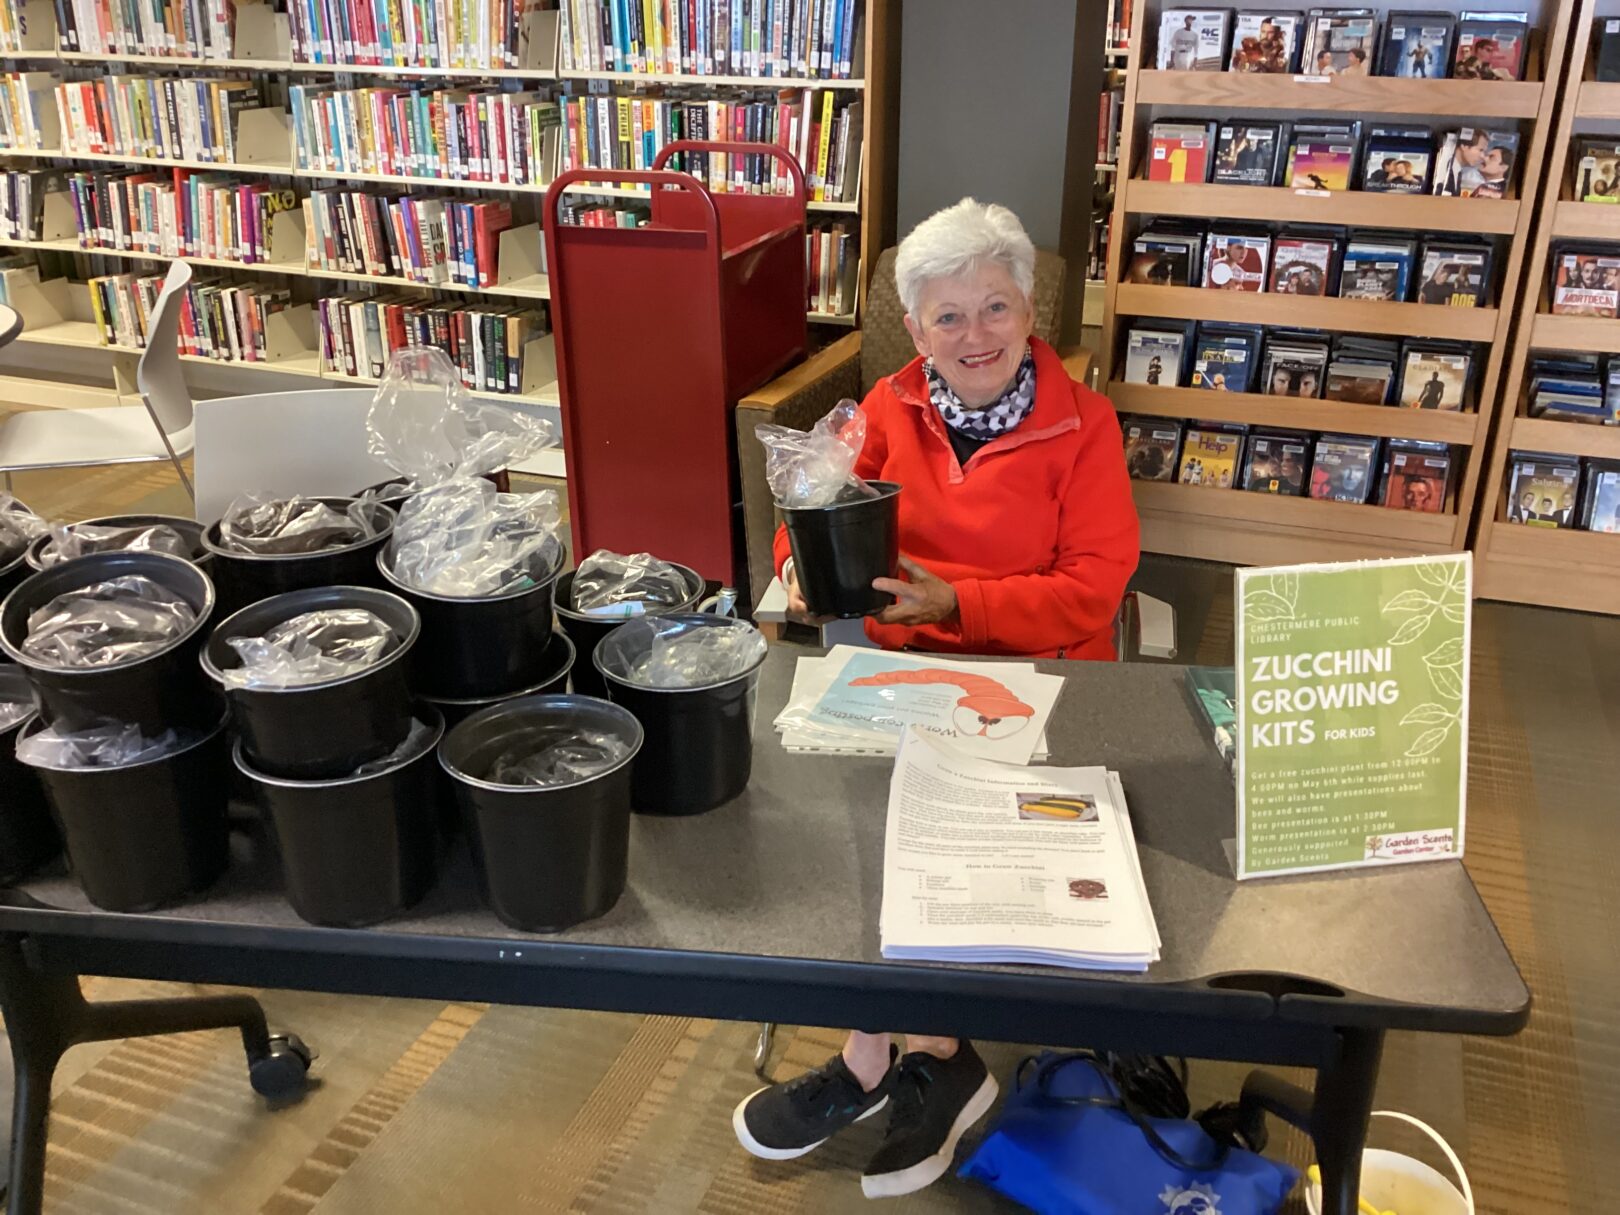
785	1121
935	1102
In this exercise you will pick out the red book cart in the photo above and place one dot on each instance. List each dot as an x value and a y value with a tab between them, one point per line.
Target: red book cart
660	330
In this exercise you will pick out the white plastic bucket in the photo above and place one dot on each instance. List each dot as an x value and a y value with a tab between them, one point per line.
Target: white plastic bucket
1402	1185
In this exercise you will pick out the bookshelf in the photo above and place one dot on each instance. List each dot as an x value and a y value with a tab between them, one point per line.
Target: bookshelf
1555	567
60	328
1261	529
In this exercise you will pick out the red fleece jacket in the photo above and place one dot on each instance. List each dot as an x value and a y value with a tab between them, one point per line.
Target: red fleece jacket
1037	533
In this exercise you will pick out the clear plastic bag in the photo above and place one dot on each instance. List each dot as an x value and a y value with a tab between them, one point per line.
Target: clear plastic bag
112	744
269	526
464	539
107	623
13	711
415	743
815	467
612	584
426	426
70	540
314	647
19	527
557	757
657	652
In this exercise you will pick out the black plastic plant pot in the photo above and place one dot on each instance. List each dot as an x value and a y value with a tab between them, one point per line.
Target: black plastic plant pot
244	578
585	630
547	857
190	531
700	741
485	646
839	549
28	836
159	691
148	834
356	850
324	730
559	661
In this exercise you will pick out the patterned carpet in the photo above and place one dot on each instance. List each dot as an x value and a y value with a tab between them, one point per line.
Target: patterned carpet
447	1109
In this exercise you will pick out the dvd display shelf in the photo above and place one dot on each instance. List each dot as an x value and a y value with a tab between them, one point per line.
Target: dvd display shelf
263	44
1559	567
1252	528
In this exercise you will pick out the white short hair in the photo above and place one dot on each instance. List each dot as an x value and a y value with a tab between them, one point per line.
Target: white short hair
950	241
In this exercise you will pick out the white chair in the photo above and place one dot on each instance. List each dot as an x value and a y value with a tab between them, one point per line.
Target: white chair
158	429
310	441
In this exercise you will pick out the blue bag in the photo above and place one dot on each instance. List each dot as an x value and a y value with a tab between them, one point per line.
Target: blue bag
1068	1143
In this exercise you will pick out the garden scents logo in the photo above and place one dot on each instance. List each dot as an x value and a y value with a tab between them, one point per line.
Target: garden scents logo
1196	1199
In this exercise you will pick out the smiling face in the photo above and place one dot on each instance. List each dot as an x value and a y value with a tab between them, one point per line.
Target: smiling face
975	326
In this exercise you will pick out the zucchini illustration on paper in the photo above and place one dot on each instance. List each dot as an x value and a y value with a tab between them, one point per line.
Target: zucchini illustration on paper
989	709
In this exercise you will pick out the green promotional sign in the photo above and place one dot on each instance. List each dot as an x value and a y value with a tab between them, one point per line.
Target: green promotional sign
1352	713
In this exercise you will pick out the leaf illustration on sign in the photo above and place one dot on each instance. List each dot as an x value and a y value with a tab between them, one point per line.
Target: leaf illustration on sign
1429	740
1414	628
1428	714
1409	601
1272	598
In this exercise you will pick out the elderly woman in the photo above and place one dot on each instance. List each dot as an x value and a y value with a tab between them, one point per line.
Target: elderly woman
1018	535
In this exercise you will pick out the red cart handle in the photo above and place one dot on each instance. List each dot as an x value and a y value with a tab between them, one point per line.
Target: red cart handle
733	149
685	181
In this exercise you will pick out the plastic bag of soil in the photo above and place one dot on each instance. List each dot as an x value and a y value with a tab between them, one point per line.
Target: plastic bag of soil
310	648
465	539
815	467
112	744
107	623
557	757
426	426
665	654
19	527
269	526
612	584
78	539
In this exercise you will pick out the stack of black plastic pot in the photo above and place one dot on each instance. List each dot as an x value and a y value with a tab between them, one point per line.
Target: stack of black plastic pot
343	768
145	833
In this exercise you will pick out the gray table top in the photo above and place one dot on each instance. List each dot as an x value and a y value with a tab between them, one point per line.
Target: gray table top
793	869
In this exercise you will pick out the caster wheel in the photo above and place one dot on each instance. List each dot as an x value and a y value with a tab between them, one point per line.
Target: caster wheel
284	1072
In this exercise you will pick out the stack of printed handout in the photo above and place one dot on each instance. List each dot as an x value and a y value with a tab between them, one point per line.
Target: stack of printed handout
994	862
857	701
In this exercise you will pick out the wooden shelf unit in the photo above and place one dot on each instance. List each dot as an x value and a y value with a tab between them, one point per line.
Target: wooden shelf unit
269	35
1555	567
1262	529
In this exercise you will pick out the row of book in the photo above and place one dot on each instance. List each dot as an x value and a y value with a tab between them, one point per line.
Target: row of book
1472	45
1304	259
22	201
1585	279
428	240
482	35
160	117
1571	386
1563	491
360	331
1401	474
1470	162
1411	373
193	29
218	320
832	258
766	38
478	134
1110	110
180	214
821	132
28	110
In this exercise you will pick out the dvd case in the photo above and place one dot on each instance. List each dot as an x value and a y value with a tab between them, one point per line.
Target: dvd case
1398	160
1210	458
1151	448
1586	283
1600	506
1417	46
1193	39
1476	163
1246	154
1597	172
1542	489
1434	379
1265	41
1237	261
1340	42
1276	463
1154	356
1179	151
1342	467
1302	265
1492	48
1453	275
1417	479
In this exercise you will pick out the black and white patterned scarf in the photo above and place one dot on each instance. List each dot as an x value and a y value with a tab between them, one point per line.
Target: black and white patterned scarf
997	418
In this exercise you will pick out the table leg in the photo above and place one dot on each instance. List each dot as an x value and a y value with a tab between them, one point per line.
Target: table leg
1339	1115
1335	1116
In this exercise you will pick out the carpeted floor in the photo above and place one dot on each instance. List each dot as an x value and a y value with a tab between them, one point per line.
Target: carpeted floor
447	1109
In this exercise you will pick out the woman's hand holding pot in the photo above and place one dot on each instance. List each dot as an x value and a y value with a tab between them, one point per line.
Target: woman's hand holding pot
924	599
